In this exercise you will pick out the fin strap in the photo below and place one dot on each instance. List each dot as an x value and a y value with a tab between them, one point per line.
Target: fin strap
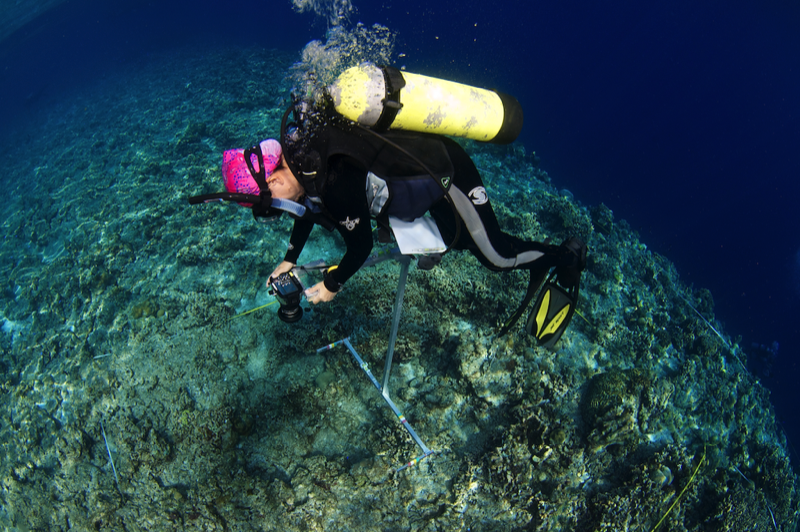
534	283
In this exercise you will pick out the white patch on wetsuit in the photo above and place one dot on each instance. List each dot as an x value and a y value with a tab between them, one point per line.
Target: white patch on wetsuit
377	194
350	224
478	196
291	247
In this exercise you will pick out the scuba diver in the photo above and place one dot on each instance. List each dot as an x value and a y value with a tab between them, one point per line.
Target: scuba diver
334	168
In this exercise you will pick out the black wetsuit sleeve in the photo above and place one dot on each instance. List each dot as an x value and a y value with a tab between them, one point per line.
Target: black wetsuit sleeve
346	201
300	232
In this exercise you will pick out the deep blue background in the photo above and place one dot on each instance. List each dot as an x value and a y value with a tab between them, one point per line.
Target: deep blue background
682	117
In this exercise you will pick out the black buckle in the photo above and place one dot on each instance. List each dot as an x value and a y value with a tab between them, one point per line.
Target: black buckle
259	175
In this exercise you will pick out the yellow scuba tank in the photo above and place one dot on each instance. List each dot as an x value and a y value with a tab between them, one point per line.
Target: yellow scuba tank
383	97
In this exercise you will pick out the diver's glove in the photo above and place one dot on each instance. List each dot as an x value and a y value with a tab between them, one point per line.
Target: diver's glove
572	261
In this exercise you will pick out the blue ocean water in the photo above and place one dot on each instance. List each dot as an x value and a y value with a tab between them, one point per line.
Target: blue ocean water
682	119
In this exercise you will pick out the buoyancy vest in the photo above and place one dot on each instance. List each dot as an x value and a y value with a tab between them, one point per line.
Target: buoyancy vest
396	184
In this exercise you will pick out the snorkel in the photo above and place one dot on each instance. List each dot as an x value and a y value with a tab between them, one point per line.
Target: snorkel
265	207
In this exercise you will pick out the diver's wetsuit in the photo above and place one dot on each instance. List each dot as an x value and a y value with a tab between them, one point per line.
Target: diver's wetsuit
346	202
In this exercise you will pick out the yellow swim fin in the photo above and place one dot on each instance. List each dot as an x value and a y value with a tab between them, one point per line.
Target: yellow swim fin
551	313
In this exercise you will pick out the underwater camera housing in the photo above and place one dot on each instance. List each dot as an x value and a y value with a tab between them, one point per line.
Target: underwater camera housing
289	291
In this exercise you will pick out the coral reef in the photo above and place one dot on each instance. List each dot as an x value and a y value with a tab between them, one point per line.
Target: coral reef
118	312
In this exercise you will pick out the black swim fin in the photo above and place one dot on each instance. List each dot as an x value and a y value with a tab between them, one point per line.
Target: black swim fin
552	312
557	298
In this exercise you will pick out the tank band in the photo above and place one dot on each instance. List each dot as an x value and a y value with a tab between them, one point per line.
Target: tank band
394	81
